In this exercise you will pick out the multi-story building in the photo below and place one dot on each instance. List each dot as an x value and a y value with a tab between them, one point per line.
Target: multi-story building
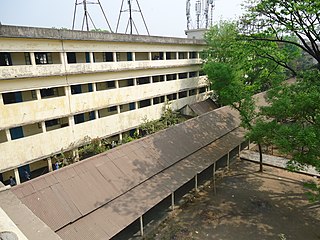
59	88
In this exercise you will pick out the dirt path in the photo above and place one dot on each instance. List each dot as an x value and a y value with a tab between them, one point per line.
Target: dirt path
248	205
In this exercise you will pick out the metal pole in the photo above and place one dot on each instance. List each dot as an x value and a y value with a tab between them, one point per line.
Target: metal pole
119	16
143	18
214	179
105	16
74	15
130	16
196	182
228	160
172	201
86	13
141	226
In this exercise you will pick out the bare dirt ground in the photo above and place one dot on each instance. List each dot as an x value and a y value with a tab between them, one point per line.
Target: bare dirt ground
247	205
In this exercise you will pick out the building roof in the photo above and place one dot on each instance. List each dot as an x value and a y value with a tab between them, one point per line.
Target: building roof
102	195
7	31
202	107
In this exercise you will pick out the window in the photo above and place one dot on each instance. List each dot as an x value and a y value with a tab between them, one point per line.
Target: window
172	96
192	92
16	97
158	100
193	55
183	94
183	75
126	83
159	78
144	103
5	59
202	90
171	55
71	57
52	92
43	58
171	77
192	74
111	84
183	55
143	80
52	122
112	109
16	133
27	58
108	57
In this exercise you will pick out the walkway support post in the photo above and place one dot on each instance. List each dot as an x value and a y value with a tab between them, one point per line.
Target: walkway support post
239	151
196	182
172	201
228	160
141	226
214	179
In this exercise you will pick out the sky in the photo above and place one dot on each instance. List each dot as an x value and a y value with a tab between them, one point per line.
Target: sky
163	17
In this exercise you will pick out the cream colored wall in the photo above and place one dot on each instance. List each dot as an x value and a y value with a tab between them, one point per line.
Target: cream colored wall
21	78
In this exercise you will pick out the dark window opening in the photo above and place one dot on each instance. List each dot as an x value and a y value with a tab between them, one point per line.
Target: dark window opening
111	84
172	96
84	117
52	122
159	78
183	94
144	103
202	90
143	80
183	55
71	57
170	55
5	59
158	100
27	58
112	109
171	77
16	97
16	133
52	92
129	56
108	57
192	92
202	73
193	55
183	75
126	83
79	118
192	74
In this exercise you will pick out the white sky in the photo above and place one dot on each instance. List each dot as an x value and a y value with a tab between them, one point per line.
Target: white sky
163	17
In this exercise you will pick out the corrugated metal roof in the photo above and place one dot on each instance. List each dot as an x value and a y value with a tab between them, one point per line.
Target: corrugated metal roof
203	107
120	185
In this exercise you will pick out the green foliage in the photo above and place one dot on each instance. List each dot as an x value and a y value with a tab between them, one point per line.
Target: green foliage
93	148
277	19
292	120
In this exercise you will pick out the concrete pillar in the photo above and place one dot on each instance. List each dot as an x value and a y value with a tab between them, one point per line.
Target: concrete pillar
133	56
172	201
150	55
96	114
38	93
164	56
120	137
151	101
49	164
141	226
63	58
228	160
116	83
135	82
114	56
8	135
17	176
136	105
164	77
32	59
1	100
43	126
71	120
177	55
91	57
94	87
118	109
196	182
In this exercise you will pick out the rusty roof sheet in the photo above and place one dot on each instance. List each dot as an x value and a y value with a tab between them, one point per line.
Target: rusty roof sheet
78	193
202	107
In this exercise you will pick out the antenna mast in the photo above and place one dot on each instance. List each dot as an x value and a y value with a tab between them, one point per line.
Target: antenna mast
86	15
203	13
131	24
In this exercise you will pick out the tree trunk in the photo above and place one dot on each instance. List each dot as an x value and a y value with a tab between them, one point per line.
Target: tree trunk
260	154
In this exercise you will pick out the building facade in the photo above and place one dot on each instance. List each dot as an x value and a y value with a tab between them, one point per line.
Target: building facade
59	88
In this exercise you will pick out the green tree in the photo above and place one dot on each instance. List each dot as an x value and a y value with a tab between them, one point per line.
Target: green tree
238	68
278	19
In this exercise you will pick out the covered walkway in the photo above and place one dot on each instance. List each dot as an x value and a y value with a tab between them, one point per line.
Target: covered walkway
98	197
